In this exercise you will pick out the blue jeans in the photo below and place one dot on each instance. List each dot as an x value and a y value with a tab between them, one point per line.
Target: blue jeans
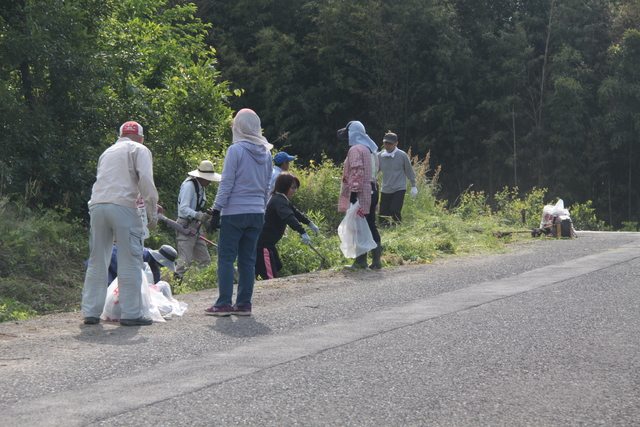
238	239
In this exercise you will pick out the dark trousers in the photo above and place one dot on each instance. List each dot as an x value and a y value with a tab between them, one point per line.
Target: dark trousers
391	207
268	263
371	216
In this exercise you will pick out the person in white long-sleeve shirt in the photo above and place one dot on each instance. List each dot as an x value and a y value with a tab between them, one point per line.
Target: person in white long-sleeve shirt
191	214
125	172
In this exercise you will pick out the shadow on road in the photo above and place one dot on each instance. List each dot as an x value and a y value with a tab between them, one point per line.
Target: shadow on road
240	327
122	335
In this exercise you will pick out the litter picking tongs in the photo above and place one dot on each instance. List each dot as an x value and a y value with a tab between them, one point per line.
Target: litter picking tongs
184	230
320	255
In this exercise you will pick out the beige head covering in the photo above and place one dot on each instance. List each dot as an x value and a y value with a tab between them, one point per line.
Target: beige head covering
246	127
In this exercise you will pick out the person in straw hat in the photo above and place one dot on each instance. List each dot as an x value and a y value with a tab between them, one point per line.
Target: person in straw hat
192	214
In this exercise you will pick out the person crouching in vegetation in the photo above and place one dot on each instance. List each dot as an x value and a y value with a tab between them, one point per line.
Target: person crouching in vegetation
360	182
280	212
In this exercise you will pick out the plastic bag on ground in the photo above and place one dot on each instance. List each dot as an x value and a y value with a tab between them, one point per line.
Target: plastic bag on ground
355	235
112	311
164	300
551	212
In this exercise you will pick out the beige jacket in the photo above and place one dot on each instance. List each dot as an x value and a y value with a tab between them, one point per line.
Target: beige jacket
125	171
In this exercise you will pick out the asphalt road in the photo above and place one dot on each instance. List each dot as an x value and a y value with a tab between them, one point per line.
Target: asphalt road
546	334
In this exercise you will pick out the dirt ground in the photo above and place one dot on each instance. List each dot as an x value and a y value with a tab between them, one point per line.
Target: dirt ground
265	292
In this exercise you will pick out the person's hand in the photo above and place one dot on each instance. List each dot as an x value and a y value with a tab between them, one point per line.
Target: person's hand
153	221
414	191
203	217
353	198
314	228
160	209
214	224
306	239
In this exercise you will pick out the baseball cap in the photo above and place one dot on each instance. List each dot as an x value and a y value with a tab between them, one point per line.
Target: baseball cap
282	157
131	127
390	137
344	132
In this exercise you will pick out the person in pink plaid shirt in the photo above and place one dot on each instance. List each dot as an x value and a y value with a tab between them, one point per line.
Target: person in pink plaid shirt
360	183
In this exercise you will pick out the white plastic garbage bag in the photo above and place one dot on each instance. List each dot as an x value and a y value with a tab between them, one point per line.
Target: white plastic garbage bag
551	212
355	236
112	310
164	300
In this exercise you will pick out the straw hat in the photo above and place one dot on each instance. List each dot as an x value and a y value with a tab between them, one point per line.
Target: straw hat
205	171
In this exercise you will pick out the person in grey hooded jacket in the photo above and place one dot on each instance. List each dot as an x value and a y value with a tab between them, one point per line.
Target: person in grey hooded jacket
239	212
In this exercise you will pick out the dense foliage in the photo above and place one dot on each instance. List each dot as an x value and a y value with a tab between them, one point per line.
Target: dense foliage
503	93
72	71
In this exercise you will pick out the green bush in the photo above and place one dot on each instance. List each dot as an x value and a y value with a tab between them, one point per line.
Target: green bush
472	205
510	204
11	310
584	218
41	257
629	226
319	192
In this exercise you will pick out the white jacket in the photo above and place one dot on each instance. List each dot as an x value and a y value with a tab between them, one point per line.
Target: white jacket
125	171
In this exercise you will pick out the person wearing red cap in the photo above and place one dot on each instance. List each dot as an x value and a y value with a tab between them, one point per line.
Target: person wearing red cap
125	172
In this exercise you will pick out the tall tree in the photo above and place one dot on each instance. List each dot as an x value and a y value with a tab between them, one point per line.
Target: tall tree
50	97
71	71
620	97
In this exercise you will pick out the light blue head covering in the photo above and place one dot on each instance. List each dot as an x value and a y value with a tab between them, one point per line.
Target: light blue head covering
357	135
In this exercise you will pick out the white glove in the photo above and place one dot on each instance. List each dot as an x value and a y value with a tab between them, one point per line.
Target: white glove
414	191
203	217
306	239
153	221
314	228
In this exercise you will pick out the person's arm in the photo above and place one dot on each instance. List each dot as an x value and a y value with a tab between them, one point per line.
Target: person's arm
356	170
229	171
285	211
144	168
272	181
143	164
185	199
302	218
408	170
156	272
